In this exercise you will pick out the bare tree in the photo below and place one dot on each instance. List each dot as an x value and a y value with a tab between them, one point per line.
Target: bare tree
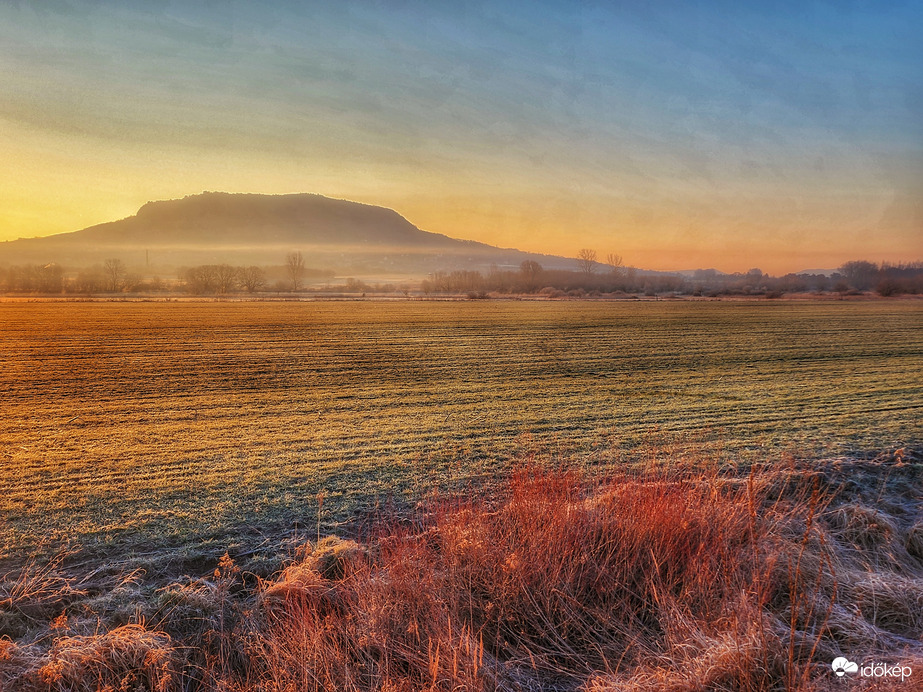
294	264
225	278
860	274
132	282
26	278
586	260
202	279
615	263
114	270
529	270
90	280
252	278
51	278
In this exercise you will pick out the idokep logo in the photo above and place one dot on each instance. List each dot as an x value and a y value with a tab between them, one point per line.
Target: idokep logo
843	666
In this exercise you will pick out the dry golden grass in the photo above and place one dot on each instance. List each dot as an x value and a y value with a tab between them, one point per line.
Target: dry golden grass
678	579
37	588
152	437
129	428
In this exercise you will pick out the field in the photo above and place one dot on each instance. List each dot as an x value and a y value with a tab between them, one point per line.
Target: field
131	427
667	495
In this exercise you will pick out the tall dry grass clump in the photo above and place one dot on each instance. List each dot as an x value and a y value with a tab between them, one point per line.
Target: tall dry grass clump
130	657
659	579
124	659
557	581
35	591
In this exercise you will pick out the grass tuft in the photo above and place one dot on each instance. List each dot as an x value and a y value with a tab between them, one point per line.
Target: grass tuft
655	579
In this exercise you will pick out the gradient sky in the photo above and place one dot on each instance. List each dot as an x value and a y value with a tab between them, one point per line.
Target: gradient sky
779	135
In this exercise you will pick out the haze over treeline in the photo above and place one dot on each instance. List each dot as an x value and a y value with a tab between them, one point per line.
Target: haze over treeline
223	244
219	244
113	277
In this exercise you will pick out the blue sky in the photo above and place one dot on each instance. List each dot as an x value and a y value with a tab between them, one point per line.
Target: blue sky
780	135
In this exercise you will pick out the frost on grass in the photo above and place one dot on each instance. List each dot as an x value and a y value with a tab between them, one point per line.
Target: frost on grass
655	579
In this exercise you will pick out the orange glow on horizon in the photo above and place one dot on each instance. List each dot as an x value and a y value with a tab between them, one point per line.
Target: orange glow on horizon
695	232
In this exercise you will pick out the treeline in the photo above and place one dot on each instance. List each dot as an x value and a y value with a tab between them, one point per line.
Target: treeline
110	277
114	277
886	279
222	279
531	278
852	277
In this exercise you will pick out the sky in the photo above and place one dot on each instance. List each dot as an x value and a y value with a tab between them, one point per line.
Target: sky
779	135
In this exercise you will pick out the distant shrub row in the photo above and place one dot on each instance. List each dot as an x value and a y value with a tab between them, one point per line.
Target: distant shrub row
530	278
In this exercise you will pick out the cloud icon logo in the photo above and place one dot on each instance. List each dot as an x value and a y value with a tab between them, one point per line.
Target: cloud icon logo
842	665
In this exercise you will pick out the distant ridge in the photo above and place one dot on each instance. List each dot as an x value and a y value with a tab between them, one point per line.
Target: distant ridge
219	217
216	227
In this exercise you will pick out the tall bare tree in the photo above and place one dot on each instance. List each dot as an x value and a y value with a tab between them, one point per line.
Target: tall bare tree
586	260
294	266
860	274
51	278
252	278
202	279
225	278
530	269
615	263
114	270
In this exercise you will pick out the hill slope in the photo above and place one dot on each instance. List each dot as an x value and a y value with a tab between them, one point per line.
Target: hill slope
215	227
